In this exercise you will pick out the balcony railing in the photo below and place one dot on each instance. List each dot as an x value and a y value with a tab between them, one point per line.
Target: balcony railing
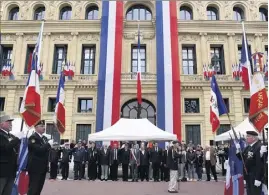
144	76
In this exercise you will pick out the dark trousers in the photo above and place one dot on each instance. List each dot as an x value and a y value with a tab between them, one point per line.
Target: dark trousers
114	170
222	168
199	171
209	167
144	172
125	172
6	184
92	170
83	171
99	172
36	183
166	173
53	170
65	170
77	170
251	188
156	171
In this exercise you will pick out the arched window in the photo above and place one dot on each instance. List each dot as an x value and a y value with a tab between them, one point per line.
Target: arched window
39	13
185	13
212	13
14	13
92	13
263	14
138	12
148	110
238	14
66	13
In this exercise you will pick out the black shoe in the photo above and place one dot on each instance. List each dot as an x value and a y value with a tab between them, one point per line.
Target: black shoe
172	191
105	179
62	179
216	180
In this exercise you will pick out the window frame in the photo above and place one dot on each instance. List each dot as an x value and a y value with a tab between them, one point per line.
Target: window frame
212	9
50	106
135	46
246	103
222	127
93	9
265	14
238	11
139	7
20	102
68	9
185	9
193	47
93	60
221	59
190	100
2	104
6	55
193	130
30	49
42	11
55	67
228	102
85	133
79	110
12	13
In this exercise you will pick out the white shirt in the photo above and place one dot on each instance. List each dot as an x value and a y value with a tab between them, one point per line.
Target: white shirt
253	143
207	155
143	152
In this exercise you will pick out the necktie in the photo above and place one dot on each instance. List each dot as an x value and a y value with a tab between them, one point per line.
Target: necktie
115	155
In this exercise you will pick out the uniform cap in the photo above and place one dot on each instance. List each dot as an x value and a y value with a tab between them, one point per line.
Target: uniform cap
253	133
175	142
5	118
41	122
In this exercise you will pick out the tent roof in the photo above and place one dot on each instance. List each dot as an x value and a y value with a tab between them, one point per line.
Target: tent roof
132	130
240	129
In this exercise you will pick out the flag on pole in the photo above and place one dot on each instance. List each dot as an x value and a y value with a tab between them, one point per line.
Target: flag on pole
234	184
59	117
139	87
20	185
245	61
30	107
29	65
217	106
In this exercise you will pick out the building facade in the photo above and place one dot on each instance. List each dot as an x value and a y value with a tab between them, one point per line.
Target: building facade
209	32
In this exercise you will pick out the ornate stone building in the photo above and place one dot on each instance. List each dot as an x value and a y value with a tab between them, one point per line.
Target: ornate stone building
209	32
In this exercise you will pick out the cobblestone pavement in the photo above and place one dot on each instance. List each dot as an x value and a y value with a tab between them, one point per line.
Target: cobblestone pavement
85	187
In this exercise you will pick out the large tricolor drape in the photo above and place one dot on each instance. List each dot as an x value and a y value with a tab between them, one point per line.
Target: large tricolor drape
168	79
109	76
30	107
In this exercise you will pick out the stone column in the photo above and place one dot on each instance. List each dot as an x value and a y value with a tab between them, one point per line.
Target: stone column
258	43
232	52
10	99
206	130
45	54
18	57
204	52
237	105
69	106
74	56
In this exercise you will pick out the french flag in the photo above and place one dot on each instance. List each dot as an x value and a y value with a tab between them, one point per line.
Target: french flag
20	186
59	117
30	107
109	75
168	72
234	184
138	85
217	106
4	70
245	61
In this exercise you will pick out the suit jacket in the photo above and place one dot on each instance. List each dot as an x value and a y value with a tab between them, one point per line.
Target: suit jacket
155	156
38	154
164	156
213	158
125	156
172	160
9	147
66	155
104	157
144	158
54	155
114	155
92	155
135	156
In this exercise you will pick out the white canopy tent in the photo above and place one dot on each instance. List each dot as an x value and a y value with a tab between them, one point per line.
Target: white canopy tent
240	129
132	130
16	126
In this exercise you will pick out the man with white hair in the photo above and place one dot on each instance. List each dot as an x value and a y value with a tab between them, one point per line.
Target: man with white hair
253	175
9	147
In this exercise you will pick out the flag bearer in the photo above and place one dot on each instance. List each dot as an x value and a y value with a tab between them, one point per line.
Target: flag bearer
253	175
9	147
38	156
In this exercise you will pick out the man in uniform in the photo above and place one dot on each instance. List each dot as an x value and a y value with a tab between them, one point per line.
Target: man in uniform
38	156
253	163
54	156
79	159
9	147
66	154
92	160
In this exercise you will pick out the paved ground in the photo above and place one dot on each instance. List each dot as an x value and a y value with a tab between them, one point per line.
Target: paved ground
85	187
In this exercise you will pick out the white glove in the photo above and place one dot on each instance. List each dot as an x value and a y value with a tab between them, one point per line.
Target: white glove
18	134
245	182
237	145
257	183
263	150
123	145
50	142
226	163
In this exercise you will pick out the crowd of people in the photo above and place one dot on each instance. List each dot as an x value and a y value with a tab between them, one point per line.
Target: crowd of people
143	161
